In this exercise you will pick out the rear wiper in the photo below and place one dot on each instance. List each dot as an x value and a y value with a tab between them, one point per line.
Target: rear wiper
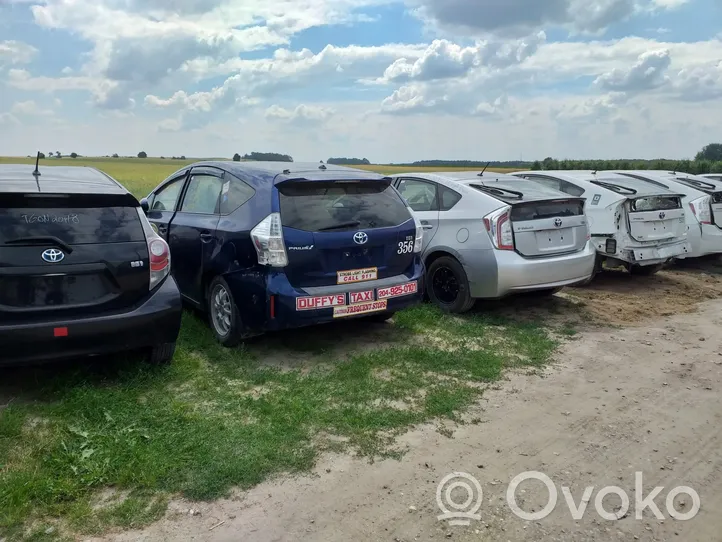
341	226
498	190
615	187
696	184
41	240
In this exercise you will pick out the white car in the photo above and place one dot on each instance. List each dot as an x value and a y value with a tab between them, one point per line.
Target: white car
633	223
489	235
713	176
703	197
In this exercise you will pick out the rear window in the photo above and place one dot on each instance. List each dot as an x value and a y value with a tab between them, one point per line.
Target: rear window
75	226
339	206
655	203
546	209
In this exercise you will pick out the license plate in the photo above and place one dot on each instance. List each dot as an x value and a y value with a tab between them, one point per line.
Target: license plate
360	297
359	308
397	291
320	302
356	275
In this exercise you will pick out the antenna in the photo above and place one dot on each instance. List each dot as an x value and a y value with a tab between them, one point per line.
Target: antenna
483	170
594	172
37	162
322	166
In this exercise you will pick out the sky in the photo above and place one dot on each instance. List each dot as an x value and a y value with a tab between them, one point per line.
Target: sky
387	80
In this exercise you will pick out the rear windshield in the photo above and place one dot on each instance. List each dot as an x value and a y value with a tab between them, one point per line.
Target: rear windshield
546	209
340	206
655	203
717	197
75	226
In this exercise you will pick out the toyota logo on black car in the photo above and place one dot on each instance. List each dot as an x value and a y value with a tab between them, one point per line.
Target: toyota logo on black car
53	255
360	238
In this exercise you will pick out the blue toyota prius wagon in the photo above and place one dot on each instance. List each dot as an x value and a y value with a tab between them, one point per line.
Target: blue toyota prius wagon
264	246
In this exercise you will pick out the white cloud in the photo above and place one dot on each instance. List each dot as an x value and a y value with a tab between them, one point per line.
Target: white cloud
16	52
647	73
8	120
30	109
699	83
302	114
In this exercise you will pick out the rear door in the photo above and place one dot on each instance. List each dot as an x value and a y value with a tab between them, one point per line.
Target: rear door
64	255
656	218
549	227
344	232
163	203
192	231
716	202
423	198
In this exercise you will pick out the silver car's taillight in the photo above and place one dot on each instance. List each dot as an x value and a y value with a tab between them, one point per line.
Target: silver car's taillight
419	238
702	209
498	226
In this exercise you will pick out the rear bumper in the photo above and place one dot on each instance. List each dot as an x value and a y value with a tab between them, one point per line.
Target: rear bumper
155	322
287	315
707	241
657	254
497	273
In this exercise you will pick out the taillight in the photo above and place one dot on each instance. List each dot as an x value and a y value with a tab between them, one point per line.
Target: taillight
419	239
267	238
498	225
702	209
158	253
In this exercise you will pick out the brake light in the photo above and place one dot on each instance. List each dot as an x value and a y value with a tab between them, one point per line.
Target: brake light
702	210
158	253
267	239
498	226
419	239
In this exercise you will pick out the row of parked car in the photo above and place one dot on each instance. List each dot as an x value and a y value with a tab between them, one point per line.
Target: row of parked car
86	268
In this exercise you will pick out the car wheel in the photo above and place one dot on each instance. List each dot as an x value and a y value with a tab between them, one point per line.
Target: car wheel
162	354
645	270
223	314
448	286
380	317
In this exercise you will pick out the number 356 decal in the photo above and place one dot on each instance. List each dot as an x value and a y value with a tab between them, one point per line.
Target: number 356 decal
405	247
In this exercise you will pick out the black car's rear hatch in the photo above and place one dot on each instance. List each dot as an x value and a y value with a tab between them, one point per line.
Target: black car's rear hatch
544	222
62	255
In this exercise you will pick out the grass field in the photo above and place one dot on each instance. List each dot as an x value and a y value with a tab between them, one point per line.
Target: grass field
141	175
91	446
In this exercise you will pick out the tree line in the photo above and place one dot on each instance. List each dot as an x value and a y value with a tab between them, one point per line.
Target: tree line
263	157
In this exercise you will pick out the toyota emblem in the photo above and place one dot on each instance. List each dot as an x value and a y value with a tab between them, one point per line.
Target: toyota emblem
53	255
558	222
661	216
360	238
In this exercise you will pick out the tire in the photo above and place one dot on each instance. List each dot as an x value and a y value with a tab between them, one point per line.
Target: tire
449	275
380	317
223	314
162	354
645	270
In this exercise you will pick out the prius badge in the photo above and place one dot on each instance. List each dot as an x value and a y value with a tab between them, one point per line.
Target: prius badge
53	255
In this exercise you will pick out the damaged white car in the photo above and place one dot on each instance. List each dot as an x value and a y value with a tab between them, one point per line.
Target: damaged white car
633	223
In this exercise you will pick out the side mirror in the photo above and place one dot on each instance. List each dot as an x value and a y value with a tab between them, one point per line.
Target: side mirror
145	205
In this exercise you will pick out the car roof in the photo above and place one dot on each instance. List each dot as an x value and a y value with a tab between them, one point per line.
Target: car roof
264	173
19	178
588	176
472	175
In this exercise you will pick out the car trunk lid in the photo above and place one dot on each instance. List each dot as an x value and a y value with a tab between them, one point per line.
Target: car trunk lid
64	254
344	232
656	217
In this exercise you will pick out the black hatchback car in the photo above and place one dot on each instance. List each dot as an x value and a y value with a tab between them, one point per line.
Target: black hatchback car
265	246
81	270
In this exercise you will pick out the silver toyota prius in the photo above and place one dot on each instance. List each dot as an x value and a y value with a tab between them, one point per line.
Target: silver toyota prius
488	235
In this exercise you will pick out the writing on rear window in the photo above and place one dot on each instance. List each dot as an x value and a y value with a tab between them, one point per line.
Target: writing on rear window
72	225
53	219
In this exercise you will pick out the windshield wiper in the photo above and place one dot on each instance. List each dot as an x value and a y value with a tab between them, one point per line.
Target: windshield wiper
41	240
497	190
615	187
351	224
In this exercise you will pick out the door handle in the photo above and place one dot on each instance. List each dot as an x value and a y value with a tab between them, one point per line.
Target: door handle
206	237
162	228
427	226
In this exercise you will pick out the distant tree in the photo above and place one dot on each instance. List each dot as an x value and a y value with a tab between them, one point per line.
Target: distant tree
115	155
73	155
183	157
712	152
42	155
267	157
349	161
236	157
549	163
142	154
536	166
162	157
57	154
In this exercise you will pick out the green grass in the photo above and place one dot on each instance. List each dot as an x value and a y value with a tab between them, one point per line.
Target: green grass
217	419
141	175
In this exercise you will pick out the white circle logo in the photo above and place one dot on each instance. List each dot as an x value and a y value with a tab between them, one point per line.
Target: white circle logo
465	510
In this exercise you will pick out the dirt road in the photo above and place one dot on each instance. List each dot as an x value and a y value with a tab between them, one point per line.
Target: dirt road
644	398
